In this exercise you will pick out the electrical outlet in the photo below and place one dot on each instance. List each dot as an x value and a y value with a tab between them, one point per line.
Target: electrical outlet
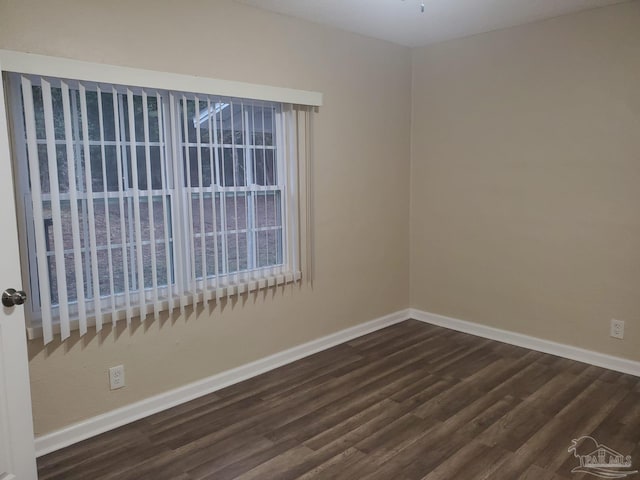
116	377
617	329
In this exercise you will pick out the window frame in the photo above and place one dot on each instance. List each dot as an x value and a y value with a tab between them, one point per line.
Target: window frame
35	67
179	177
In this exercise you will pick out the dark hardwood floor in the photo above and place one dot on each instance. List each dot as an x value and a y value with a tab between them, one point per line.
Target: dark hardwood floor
412	401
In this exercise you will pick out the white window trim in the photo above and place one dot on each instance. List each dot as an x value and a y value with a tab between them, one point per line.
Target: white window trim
44	65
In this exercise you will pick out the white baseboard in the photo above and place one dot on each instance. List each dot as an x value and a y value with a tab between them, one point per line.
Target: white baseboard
130	413
533	343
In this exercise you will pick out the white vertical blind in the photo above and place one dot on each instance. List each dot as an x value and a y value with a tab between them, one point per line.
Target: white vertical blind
118	133
165	204
143	201
180	243
135	200
107	219
73	204
215	138
189	204
215	175
95	274
38	214
150	206
58	240
203	236
222	291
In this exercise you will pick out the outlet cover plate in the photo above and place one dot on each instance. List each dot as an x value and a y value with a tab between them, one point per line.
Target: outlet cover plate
617	329
116	377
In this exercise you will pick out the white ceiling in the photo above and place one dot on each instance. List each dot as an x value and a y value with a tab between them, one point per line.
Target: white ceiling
400	21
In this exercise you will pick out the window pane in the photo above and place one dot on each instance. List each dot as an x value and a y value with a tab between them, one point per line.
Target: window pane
258	167
115	232
117	268
208	229
268	209
197	120
232	124
208	166
265	167
163	270
208	213
232	167
45	183
38	111
269	247
111	168
210	255
138	118
158	239
65	223
96	169
70	278
236	252
155	164
63	169
191	173
93	116
256	125
236	212
262	126
58	112
221	254
116	215
153	113
108	121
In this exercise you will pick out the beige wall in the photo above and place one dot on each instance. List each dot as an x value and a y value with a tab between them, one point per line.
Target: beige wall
361	176
525	179
525	168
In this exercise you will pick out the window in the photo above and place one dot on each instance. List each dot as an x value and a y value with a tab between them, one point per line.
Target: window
137	200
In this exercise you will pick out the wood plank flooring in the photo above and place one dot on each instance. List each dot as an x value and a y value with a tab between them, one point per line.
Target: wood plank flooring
409	402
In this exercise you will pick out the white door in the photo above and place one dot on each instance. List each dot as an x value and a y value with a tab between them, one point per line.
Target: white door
17	451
